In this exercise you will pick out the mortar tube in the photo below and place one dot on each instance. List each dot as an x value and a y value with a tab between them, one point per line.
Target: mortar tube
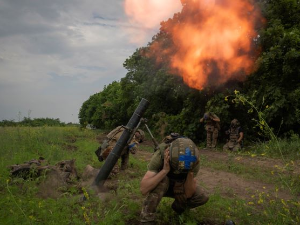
115	154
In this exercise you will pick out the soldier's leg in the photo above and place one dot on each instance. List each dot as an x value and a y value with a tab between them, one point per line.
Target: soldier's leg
180	203
208	139
124	160
236	147
104	154
116	169
214	137
226	147
199	198
98	154
152	200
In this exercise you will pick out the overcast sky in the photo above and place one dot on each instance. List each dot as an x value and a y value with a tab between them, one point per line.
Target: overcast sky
54	54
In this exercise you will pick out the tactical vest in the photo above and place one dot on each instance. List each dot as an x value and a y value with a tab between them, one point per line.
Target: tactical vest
184	155
115	133
234	134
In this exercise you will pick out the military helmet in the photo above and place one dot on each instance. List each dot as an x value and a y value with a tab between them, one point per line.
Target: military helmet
206	115
184	154
141	135
235	123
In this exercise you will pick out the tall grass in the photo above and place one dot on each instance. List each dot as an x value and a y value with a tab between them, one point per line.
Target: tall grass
290	148
21	201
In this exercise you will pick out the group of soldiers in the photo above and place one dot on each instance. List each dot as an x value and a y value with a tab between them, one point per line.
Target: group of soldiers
173	166
234	134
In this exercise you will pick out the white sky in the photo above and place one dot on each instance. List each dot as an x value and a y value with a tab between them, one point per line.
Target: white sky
55	54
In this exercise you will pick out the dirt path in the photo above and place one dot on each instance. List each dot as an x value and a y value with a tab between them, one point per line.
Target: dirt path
255	161
229	184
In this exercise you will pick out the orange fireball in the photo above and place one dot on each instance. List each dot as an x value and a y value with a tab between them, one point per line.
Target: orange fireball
212	41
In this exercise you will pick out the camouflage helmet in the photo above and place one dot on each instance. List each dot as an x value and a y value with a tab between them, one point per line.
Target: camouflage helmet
235	123
141	136
184	154
171	137
207	115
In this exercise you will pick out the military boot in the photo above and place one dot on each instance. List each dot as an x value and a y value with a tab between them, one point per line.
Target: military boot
124	166
177	207
148	223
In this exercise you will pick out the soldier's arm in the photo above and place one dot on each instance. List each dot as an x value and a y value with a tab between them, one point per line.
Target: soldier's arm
133	146
241	137
152	179
215	118
190	185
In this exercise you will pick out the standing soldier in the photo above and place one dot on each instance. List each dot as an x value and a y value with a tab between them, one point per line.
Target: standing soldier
212	127
109	143
171	173
236	136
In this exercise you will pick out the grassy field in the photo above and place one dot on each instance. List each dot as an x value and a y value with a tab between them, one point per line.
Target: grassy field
22	202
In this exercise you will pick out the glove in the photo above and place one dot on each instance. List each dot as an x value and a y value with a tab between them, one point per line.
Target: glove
179	192
98	154
132	148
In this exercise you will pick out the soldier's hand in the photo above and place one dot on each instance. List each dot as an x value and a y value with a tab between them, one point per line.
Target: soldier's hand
190	185
167	160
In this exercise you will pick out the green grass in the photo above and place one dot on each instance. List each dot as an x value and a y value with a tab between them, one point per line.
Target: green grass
288	148
287	179
20	202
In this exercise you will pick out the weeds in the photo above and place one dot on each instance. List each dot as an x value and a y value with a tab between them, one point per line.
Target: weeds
20	202
16	203
265	129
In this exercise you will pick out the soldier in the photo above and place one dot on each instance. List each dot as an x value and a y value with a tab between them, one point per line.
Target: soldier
171	173
109	143
236	136
212	127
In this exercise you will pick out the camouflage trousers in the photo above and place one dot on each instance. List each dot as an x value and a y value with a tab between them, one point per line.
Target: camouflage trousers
165	189
211	138
124	159
232	146
124	163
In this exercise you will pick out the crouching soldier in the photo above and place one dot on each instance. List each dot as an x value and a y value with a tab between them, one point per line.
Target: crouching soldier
171	173
236	136
109	143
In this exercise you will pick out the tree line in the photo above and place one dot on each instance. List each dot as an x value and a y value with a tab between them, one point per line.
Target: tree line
271	92
28	122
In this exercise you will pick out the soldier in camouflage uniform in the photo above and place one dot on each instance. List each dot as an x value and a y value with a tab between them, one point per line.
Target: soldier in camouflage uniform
171	173
109	143
212	127
236	136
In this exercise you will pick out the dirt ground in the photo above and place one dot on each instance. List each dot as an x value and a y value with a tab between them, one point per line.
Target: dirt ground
230	184
212	181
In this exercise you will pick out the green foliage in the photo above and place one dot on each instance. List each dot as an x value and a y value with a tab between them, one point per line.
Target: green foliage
103	110
289	147
37	122
20	202
273	89
276	81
